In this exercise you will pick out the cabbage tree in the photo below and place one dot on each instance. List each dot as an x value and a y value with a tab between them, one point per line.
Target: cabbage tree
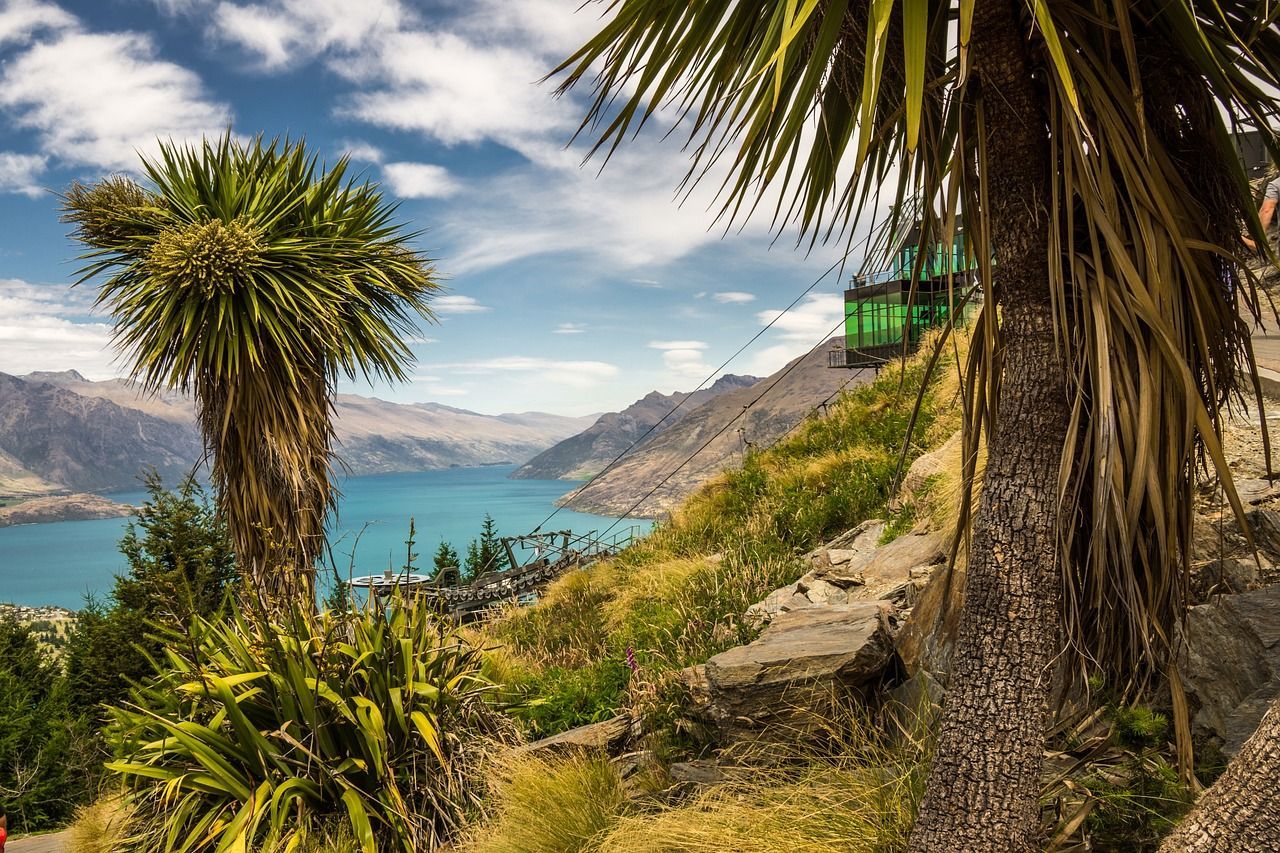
253	277
1084	146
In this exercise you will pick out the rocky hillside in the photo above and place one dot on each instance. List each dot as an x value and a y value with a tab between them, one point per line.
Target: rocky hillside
587	453
60	432
70	441
783	399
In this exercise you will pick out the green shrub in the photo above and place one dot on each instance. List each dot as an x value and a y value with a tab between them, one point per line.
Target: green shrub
44	765
263	733
1139	726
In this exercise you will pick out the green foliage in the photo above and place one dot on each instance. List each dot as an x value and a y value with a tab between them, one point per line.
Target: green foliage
43	763
264	733
1137	804
491	552
180	565
1139	726
446	558
471	565
252	275
558	698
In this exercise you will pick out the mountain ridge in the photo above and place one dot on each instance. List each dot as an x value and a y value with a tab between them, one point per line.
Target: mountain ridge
764	411
60	432
584	455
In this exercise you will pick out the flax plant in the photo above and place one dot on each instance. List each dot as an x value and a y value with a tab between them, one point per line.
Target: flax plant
252	276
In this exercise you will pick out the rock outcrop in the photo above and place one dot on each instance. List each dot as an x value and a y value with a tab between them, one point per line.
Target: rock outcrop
804	659
1231	664
853	568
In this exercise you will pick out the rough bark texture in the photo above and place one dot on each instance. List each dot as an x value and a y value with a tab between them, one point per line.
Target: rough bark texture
982	790
1240	813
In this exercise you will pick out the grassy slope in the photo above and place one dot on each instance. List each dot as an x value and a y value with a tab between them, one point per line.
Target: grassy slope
614	636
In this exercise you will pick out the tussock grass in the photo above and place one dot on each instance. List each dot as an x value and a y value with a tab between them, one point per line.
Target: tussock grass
857	793
100	827
540	805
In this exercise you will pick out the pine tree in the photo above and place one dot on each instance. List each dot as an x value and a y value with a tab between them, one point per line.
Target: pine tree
471	567
181	564
490	546
446	558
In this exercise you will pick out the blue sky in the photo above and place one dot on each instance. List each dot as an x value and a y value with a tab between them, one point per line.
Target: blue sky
571	290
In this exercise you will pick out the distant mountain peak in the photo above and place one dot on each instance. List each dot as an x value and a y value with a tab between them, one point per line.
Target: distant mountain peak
55	376
614	433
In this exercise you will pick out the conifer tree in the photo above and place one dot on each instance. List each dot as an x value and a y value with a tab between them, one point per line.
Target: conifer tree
446	557
490	546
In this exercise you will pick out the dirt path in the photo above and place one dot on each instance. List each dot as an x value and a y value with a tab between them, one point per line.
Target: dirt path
54	842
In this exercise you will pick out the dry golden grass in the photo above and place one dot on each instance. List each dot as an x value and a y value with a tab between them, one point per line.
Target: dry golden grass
558	804
100	827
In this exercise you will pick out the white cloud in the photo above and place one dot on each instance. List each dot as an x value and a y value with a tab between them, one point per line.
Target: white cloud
575	374
98	98
683	359
455	303
570	329
38	331
817	317
678	345
646	282
453	89
18	172
288	32
733	297
361	151
20	19
419	180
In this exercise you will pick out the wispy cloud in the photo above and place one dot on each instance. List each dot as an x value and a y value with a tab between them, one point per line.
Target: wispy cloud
454	303
289	32
733	297
817	317
39	330
419	180
570	329
19	173
98	98
361	151
683	359
575	374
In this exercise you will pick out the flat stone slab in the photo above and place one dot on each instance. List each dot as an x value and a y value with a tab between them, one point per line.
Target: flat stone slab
599	736
802	660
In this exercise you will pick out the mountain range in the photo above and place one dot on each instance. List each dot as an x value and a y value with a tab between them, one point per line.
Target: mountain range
711	438
61	432
587	453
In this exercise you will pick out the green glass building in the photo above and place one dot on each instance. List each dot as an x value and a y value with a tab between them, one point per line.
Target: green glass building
884	319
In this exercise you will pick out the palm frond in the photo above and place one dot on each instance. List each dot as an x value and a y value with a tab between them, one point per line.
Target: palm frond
834	106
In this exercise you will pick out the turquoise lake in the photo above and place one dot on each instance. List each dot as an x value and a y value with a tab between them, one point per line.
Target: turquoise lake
60	563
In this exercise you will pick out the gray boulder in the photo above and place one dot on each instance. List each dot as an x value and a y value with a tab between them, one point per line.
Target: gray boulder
1231	664
803	661
859	572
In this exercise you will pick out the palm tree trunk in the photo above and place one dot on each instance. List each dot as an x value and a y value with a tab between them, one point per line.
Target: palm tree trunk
1240	813
983	787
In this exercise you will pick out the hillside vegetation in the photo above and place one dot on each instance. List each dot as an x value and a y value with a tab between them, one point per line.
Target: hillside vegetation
614	636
